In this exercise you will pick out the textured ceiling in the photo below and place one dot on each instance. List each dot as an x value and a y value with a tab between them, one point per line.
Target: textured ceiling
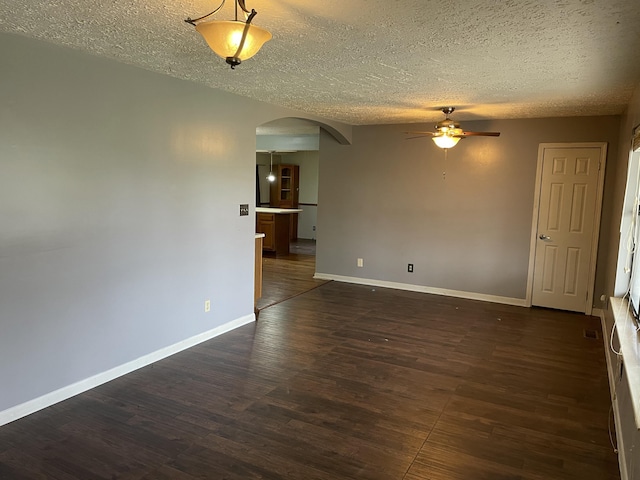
370	61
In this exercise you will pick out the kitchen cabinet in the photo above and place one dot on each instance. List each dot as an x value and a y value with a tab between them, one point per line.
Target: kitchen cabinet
265	223
285	190
276	223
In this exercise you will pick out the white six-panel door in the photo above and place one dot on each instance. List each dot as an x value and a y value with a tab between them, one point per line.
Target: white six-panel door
568	218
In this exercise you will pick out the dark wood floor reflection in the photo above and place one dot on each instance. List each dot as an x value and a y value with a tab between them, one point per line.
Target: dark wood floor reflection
345	382
286	276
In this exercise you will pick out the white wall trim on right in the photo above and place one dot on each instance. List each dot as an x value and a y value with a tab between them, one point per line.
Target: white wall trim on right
606	337
519	302
51	398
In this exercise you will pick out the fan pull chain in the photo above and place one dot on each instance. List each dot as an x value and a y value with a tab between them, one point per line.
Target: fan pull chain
444	172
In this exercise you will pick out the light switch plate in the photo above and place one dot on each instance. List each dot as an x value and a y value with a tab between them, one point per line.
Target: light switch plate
244	209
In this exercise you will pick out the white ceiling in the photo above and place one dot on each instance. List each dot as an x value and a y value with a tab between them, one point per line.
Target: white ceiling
371	61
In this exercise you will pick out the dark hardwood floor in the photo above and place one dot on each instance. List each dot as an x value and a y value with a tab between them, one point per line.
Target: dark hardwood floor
345	382
286	276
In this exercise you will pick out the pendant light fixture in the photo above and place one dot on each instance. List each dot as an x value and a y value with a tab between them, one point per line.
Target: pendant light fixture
233	40
271	177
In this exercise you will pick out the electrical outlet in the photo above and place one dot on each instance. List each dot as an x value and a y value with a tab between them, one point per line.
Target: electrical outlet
410	268
314	228
360	262
207	306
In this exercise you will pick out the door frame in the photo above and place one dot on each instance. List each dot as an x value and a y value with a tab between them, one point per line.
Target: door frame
596	225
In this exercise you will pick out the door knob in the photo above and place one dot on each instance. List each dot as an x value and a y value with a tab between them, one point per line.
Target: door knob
544	237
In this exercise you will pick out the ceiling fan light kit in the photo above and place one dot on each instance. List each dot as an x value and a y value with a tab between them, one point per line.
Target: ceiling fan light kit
233	40
448	133
445	141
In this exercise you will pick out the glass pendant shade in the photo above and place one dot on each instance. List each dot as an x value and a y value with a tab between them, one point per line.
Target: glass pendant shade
224	38
271	177
445	141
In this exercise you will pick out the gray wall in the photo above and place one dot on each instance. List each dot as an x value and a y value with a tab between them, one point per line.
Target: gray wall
287	142
464	221
119	194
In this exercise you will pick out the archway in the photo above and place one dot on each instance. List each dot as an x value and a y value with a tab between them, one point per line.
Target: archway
289	145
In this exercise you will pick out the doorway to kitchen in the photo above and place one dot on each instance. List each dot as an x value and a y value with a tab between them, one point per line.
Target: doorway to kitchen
287	172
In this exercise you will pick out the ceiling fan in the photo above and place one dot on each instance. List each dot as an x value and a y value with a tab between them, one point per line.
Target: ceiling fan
448	133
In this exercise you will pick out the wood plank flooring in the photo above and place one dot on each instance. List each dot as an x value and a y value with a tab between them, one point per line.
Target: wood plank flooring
345	382
286	276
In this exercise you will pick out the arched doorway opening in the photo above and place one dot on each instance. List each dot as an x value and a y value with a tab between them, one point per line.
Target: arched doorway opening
290	149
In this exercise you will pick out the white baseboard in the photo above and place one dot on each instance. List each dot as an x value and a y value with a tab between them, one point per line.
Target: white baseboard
520	302
51	398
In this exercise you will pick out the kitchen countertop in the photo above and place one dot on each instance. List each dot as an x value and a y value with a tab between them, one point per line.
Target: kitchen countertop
277	210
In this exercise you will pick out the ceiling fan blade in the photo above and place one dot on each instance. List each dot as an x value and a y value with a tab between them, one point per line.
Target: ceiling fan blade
479	134
422	133
419	136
